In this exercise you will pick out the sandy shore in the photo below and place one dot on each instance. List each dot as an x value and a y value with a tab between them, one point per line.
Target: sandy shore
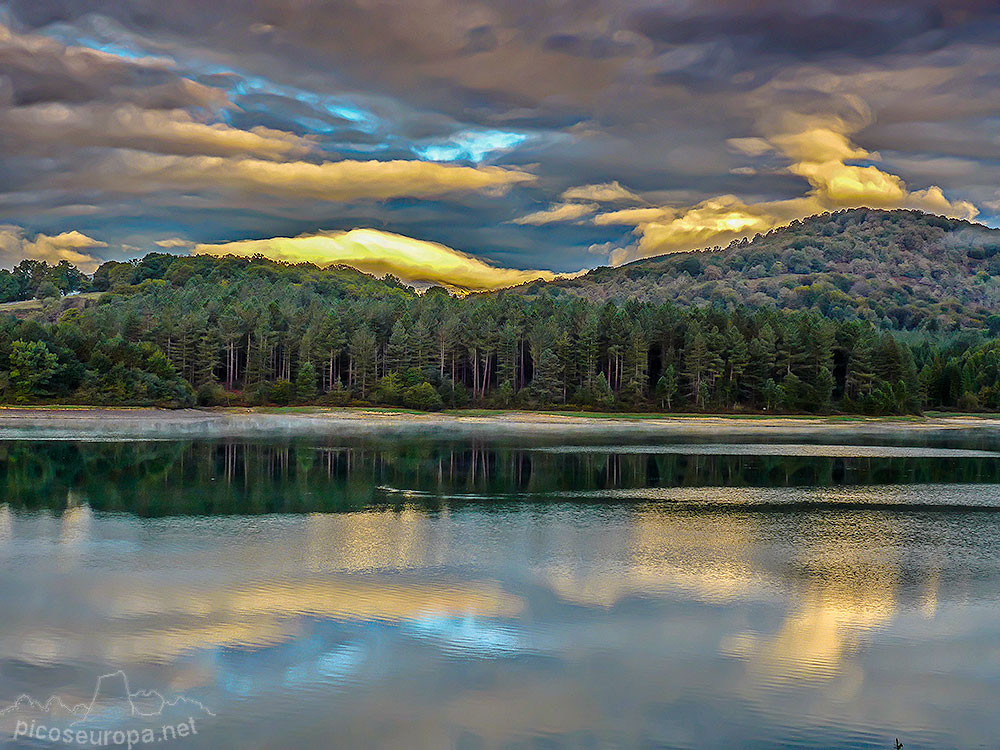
87	423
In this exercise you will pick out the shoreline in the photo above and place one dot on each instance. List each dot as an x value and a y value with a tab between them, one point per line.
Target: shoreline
67	422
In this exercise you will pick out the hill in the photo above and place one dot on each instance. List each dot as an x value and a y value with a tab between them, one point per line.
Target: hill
897	269
179	330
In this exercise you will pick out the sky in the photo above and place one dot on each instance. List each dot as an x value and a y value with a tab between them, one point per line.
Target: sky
482	144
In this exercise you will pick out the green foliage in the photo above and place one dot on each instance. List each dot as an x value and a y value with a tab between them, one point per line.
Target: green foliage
336	396
390	389
32	365
546	384
47	290
505	394
454	395
211	394
282	393
254	331
305	382
36	279
666	387
422	397
899	269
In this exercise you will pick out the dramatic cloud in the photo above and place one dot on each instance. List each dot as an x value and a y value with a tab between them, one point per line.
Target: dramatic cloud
38	69
821	152
69	246
654	127
44	126
558	212
633	216
328	181
606	192
379	253
172	243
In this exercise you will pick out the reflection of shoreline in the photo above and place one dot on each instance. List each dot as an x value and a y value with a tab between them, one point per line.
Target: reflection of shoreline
328	474
20	423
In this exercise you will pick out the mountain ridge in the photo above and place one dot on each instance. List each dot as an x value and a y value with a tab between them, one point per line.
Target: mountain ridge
899	269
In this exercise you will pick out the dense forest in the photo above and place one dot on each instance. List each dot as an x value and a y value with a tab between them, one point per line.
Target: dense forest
179	330
905	270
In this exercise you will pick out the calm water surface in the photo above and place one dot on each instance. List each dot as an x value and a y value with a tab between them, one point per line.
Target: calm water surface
429	594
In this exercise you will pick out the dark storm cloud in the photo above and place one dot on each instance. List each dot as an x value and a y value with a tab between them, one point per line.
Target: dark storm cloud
726	117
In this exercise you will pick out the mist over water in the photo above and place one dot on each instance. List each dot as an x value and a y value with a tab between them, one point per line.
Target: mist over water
485	594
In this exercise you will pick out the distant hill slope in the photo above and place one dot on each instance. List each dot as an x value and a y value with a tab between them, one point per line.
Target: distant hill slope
903	269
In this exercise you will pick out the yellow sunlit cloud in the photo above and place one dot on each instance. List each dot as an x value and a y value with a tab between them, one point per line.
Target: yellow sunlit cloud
558	212
330	181
162	131
819	151
634	216
379	253
69	246
173	243
603	192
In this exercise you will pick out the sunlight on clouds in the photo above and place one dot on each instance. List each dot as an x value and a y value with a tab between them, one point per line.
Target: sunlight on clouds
581	201
820	151
68	246
603	192
558	212
332	181
127	126
378	253
713	221
173	243
750	146
635	216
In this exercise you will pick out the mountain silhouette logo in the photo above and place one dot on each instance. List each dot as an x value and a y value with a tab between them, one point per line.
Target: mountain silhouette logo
113	700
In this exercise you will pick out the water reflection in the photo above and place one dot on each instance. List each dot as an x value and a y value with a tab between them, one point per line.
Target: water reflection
184	477
497	598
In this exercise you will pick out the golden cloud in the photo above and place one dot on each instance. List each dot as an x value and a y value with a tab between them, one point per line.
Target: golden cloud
603	192
379	253
635	216
750	146
162	131
330	181
558	212
69	246
820	152
174	242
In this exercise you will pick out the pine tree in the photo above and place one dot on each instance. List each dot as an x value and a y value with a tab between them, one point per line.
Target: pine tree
305	382
507	356
397	353
823	390
546	386
696	361
860	368
603	395
737	361
206	359
363	355
762	361
327	349
666	387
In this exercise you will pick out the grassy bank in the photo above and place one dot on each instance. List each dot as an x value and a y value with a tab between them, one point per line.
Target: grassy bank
505	414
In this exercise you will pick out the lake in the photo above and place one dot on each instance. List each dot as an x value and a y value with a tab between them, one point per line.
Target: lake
428	593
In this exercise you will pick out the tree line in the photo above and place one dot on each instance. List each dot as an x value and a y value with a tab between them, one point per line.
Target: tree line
181	331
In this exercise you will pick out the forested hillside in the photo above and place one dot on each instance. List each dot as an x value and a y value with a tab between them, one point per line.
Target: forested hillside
183	330
897	269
